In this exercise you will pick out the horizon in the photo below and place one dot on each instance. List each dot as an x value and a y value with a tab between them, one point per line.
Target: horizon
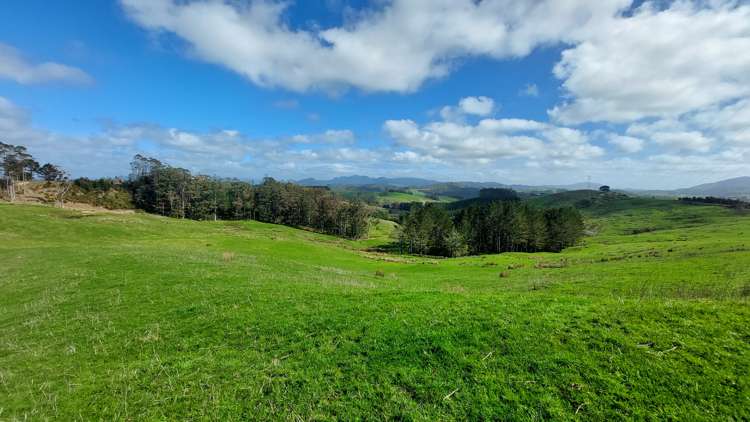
479	92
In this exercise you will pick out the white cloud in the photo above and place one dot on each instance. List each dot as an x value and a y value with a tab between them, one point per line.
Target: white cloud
331	136
691	141
508	150
677	66
673	134
479	106
731	123
222	152
338	136
468	106
458	142
13	66
513	125
15	124
490	140
657	63
394	48
627	144
413	157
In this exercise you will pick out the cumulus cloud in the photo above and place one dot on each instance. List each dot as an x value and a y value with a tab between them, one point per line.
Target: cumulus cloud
479	106
673	134
413	157
227	152
730	123
513	125
657	63
484	150
678	61
468	106
627	144
691	141
489	140
395	47
15	67
331	136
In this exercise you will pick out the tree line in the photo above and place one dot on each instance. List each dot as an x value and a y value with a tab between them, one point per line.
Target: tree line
496	227
162	189
734	203
17	165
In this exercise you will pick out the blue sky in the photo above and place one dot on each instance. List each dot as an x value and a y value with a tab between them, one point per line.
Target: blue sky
523	92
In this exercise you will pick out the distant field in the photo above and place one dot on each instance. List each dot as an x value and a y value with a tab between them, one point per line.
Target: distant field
413	196
115	316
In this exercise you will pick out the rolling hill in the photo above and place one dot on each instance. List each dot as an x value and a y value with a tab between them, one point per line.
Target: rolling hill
133	316
432	186
402	182
736	188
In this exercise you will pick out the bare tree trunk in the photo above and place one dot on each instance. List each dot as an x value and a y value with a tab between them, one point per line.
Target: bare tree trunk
11	189
61	192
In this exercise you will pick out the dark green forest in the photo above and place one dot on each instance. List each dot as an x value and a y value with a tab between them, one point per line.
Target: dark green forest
161	189
495	227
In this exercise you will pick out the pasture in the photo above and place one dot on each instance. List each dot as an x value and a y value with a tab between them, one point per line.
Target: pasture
132	316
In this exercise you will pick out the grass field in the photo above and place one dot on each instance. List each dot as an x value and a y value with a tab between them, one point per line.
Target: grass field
132	317
413	196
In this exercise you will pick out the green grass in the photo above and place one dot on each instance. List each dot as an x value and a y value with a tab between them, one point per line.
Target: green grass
139	317
412	196
381	234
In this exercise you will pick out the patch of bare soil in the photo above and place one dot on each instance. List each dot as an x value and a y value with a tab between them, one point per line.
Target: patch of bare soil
34	193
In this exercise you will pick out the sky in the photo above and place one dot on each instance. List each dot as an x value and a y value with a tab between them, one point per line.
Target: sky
647	94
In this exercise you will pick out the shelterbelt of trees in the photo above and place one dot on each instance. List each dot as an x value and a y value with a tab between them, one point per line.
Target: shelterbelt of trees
501	226
159	188
17	165
734	203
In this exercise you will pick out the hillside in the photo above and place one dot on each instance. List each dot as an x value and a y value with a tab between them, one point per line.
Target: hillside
591	201
737	188
111	316
462	190
732	188
402	182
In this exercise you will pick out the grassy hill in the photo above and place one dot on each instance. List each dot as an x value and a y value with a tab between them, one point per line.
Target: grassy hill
411	196
114	316
737	188
381	195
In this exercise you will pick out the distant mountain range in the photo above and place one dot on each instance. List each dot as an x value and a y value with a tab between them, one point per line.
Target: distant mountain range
738	188
418	183
731	188
356	181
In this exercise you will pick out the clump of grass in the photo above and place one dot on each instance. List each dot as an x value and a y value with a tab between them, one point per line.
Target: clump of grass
227	257
641	230
745	290
538	284
379	273
563	263
505	274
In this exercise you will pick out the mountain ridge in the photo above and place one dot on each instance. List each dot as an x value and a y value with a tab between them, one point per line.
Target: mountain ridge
737	187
